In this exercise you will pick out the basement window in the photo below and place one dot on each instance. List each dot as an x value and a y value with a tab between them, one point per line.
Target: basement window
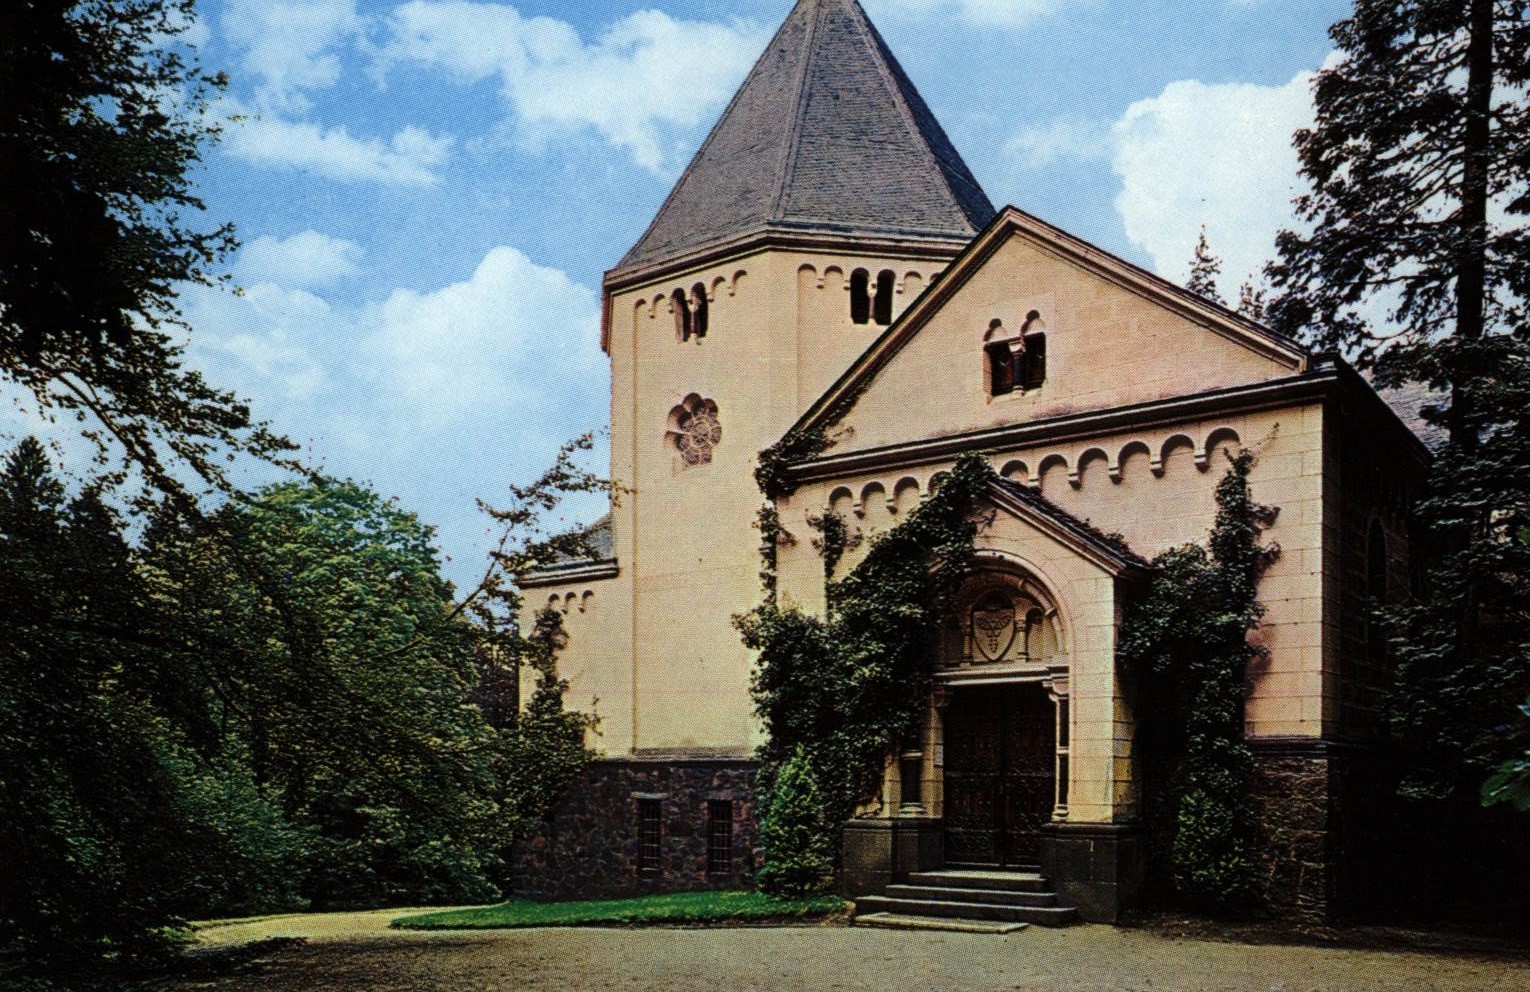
650	836
720	837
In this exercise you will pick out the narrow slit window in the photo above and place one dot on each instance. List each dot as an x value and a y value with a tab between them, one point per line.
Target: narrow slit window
1376	590
1033	362
1001	370
1063	751
650	836
860	296
720	836
698	311
682	315
882	307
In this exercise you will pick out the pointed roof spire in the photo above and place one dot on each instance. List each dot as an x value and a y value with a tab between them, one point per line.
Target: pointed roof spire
826	135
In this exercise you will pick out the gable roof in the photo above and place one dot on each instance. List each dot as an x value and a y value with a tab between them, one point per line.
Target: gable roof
826	134
1012	220
1109	551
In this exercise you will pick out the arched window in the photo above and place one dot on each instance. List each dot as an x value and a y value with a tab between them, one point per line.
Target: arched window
1033	371
699	310
860	297
694	430
1376	592
682	310
882	306
1015	362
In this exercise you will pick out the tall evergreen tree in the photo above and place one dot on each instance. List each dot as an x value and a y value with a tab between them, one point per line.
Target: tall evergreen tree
1204	269
1251	301
1416	264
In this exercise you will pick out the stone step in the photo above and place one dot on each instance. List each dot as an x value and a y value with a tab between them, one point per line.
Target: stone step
1047	916
996	897
893	921
1003	881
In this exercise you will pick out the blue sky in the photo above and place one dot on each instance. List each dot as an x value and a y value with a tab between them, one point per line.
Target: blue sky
428	192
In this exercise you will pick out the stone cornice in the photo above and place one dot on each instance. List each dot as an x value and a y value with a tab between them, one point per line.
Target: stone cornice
573	572
1325	378
778	237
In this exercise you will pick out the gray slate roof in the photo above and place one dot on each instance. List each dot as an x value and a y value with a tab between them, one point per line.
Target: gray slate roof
826	134
1113	545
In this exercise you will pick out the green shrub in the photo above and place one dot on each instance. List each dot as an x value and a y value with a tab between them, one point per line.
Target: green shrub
796	833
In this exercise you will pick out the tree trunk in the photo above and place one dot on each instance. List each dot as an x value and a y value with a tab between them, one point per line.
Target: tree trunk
1471	265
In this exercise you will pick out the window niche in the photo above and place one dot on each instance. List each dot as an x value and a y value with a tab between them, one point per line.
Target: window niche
881	304
872	302
860	296
694	430
1015	361
681	305
699	312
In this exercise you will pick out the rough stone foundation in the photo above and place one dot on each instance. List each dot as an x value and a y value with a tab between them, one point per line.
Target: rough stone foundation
587	848
1292	803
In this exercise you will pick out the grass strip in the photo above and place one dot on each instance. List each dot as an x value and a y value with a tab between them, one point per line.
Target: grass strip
671	907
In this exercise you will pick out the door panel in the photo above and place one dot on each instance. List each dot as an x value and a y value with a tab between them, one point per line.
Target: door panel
999	754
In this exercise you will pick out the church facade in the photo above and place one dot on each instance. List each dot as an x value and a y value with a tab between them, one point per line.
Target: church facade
828	260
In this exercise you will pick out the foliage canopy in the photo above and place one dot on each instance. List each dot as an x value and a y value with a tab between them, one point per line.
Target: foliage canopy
103	116
1186	641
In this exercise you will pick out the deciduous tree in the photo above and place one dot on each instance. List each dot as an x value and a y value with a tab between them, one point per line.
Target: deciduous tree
103	116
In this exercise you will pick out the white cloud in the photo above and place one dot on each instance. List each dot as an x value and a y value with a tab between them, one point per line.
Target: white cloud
980	13
307	259
645	78
411	158
1064	138
259	342
1218	154
438	396
291	45
514	333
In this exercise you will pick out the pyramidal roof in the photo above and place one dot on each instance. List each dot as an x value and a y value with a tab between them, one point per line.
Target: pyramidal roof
826	134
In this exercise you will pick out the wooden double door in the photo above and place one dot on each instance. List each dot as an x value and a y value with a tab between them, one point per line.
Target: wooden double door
1000	774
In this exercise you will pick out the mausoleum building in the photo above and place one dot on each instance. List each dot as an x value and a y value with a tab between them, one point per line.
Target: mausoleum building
828	260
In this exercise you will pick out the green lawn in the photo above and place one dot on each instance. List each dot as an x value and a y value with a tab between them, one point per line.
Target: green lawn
673	907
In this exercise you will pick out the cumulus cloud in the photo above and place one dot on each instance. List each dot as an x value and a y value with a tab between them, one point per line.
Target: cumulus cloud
512	333
412	157
306	259
1218	154
980	13
438	396
291	45
641	82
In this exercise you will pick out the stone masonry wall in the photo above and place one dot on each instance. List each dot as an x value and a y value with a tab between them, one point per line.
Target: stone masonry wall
587	848
1293	806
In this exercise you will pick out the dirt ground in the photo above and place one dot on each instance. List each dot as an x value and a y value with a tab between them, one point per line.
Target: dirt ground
355	951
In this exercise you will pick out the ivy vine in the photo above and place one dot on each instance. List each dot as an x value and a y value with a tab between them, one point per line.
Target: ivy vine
838	693
1186	643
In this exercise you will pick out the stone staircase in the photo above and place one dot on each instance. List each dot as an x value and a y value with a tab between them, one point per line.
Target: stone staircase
987	896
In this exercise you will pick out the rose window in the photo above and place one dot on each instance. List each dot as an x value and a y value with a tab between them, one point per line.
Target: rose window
695	429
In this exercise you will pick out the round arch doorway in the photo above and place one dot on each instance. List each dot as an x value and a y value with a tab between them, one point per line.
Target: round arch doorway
1002	698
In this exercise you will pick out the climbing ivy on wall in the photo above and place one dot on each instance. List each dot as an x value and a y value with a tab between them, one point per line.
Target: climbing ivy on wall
1186	642
838	693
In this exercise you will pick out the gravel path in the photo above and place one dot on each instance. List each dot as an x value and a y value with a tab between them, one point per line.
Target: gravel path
844	959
